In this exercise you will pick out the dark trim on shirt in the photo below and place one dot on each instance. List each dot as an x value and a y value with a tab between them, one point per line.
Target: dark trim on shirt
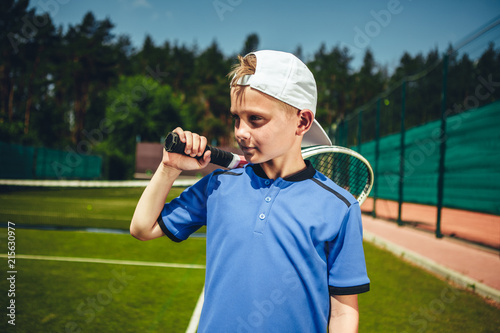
340	291
227	172
166	231
337	194
304	174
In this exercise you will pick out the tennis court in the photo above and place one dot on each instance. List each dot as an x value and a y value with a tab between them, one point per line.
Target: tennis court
476	227
80	281
90	282
79	103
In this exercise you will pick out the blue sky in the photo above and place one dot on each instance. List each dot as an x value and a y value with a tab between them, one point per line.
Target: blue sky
388	27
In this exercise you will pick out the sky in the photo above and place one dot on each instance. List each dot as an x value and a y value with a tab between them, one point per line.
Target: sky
387	27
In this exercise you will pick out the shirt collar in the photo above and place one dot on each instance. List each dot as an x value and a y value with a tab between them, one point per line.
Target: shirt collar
307	173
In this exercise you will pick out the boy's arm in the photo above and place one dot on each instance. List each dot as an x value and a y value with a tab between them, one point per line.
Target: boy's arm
144	225
344	314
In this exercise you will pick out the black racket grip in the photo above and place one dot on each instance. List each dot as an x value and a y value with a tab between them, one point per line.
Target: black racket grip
220	157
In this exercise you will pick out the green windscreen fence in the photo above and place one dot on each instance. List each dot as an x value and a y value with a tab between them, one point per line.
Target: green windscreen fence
21	162
16	161
472	177
472	162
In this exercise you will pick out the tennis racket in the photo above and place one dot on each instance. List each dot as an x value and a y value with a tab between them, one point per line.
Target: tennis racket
173	144
346	167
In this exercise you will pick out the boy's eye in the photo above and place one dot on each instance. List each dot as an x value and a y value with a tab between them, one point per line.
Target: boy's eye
255	118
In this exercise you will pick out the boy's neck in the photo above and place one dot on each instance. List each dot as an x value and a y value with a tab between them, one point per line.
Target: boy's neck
283	168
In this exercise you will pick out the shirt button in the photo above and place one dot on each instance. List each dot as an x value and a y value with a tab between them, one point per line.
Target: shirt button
262	216
267	182
268	199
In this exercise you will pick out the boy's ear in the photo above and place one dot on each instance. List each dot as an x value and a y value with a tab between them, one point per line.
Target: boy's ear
305	121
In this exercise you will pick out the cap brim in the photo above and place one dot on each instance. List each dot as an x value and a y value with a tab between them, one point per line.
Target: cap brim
316	136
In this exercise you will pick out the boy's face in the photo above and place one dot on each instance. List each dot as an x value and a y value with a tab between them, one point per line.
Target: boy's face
264	130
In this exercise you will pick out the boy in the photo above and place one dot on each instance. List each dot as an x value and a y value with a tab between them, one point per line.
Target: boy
284	243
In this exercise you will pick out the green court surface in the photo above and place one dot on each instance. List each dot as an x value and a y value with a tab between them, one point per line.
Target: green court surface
115	283
110	207
76	296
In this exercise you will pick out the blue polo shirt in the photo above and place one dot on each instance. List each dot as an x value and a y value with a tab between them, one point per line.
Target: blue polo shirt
276	249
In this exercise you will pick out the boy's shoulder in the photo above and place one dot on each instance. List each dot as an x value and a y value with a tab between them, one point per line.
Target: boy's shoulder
333	189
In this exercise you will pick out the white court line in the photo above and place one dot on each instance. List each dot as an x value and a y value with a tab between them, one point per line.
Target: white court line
107	261
91	183
195	318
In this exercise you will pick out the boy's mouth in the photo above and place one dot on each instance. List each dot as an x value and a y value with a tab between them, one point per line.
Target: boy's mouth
247	149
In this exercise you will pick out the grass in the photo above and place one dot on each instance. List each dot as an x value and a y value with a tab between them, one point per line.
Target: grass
53	296
71	207
405	298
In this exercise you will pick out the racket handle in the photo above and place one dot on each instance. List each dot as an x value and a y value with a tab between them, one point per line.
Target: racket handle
226	159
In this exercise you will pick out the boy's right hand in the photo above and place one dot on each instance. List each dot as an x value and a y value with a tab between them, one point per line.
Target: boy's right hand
195	146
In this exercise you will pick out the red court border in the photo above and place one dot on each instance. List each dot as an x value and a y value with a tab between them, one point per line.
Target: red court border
476	227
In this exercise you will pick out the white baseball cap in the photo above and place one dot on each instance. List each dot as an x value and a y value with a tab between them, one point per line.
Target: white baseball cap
285	77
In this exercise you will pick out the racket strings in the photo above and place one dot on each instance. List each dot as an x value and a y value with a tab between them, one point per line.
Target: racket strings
345	170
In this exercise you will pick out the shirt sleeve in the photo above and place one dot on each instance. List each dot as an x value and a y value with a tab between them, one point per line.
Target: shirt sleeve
346	259
187	213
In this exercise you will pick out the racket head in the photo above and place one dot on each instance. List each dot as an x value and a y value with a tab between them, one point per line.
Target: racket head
346	167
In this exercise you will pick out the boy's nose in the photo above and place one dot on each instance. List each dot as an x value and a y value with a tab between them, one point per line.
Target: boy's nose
242	131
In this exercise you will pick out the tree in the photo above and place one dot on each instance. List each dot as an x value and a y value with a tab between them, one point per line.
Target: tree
461	80
408	65
27	42
334	82
251	44
91	63
37	53
14	34
213	94
150	57
488	69
299	53
370	80
181	68
138	107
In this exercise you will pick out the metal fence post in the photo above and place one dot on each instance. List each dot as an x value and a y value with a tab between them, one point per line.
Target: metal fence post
345	133
402	153
442	148
360	115
377	152
340	133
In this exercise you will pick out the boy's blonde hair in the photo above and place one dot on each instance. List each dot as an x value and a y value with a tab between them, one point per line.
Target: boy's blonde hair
247	66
